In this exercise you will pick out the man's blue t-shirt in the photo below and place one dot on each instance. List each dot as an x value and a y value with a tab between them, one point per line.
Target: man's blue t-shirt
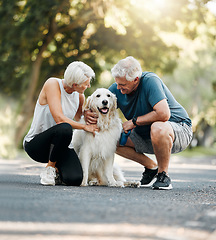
150	91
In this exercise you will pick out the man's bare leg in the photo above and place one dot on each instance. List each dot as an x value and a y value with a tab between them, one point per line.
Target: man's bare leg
129	152
162	137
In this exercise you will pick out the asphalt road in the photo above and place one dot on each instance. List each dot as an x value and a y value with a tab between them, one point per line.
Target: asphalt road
29	210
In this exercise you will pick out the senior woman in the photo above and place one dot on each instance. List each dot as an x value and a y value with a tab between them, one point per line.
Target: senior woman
49	138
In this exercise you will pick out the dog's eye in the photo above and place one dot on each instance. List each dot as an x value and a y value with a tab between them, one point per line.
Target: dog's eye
98	95
108	95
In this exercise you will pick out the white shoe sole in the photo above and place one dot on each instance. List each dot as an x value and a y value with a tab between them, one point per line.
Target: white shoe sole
163	188
150	184
47	183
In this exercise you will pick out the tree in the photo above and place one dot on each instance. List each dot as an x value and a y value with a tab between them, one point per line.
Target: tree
193	81
40	38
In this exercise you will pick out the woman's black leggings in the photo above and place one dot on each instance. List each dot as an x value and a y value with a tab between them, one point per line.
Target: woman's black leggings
52	145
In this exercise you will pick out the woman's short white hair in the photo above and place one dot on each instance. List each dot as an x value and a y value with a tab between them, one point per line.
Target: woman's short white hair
128	67
78	72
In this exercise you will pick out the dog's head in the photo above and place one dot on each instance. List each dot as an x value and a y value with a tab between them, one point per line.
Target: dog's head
101	101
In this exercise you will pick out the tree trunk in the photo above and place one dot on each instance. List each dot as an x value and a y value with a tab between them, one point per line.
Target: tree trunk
29	103
207	138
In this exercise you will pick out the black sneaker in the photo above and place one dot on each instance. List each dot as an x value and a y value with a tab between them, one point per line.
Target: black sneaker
162	182
148	177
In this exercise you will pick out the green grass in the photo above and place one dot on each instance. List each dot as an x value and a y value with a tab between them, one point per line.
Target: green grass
199	151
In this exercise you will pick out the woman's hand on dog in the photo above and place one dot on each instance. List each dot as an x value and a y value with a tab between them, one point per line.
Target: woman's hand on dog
91	128
90	117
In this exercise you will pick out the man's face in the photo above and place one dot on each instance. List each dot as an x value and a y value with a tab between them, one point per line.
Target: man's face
126	87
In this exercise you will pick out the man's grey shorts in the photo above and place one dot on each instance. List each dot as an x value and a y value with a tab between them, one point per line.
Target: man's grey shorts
183	136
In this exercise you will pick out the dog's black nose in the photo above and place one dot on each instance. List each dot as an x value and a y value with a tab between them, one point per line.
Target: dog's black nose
105	102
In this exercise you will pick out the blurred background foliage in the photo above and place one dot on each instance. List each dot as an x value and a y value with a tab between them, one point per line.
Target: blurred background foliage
38	39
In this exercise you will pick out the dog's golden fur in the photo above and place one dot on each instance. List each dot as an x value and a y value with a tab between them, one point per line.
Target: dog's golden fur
97	153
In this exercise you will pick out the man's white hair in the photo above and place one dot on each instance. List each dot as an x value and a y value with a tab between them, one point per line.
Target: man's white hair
129	68
77	72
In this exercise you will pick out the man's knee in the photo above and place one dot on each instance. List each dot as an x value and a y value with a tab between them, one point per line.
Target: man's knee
159	130
156	129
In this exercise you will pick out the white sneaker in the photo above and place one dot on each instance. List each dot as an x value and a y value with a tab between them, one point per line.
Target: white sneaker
48	176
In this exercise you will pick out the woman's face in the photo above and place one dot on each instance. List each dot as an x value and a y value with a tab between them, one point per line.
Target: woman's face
80	88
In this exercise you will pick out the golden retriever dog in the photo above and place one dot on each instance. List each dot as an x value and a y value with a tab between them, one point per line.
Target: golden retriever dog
96	153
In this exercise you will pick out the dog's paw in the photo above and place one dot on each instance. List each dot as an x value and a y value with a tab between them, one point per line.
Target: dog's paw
84	184
132	184
116	184
120	184
93	182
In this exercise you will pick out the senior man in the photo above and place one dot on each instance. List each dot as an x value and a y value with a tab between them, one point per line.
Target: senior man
159	124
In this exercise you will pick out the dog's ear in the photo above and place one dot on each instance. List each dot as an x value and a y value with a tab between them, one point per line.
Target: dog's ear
114	101
88	103
113	110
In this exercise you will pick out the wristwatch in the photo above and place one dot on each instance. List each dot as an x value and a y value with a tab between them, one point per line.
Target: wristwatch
134	119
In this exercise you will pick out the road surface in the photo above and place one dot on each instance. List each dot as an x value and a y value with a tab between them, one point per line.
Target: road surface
31	211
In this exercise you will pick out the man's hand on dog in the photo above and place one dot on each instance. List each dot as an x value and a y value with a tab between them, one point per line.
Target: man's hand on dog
128	125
